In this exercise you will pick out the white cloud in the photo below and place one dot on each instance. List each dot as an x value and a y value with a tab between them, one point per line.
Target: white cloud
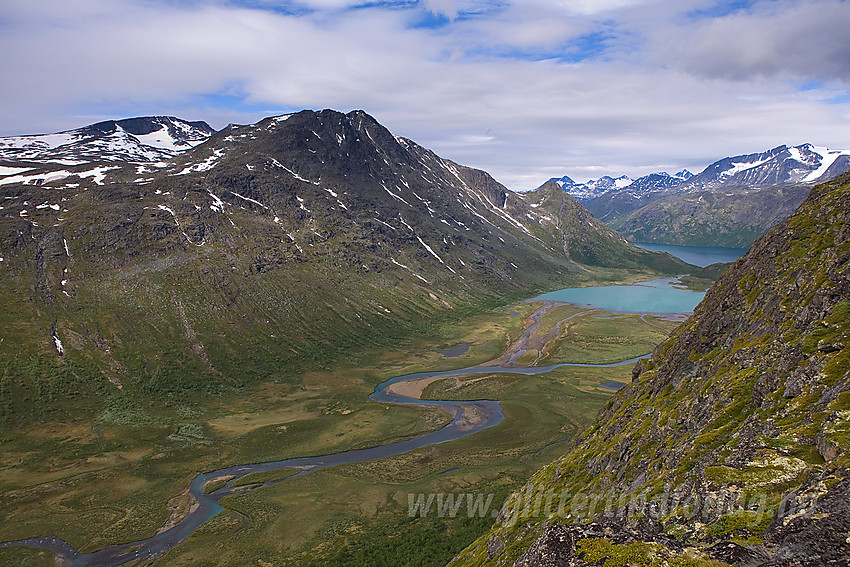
488	89
445	8
592	7
782	38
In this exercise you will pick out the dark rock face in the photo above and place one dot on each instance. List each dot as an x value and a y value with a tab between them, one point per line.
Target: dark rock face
735	435
812	529
557	546
734	554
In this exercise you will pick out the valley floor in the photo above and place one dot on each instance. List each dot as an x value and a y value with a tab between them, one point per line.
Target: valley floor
124	476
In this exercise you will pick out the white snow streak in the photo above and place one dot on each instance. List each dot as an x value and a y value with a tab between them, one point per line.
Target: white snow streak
292	173
385	224
249	199
5	170
428	248
796	154
218	204
58	344
301	204
738	167
393	260
205	165
396	196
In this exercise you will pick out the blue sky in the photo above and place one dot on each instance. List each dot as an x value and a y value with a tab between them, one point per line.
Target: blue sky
525	89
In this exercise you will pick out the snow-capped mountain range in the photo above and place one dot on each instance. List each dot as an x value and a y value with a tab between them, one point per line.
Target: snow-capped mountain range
805	163
280	211
730	203
594	187
597	187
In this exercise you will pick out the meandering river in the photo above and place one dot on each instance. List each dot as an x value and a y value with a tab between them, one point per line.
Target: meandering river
467	418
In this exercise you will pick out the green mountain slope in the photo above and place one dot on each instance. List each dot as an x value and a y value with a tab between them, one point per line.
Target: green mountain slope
732	444
265	250
733	218
585	239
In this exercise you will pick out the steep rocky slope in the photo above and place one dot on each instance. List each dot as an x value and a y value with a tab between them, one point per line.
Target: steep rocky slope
304	237
732	444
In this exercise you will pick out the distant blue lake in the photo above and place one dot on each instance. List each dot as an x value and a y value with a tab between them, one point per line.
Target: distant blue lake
656	296
701	256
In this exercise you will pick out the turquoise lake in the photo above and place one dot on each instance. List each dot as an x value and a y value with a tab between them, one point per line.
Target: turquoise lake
701	256
656	296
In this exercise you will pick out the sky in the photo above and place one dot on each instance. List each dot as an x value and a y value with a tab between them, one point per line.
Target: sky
524	89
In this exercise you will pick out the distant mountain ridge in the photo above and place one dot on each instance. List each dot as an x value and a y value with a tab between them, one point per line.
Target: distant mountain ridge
805	163
606	184
592	188
730	203
143	139
783	164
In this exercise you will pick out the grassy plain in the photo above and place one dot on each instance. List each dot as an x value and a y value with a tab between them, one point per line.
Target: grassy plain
120	477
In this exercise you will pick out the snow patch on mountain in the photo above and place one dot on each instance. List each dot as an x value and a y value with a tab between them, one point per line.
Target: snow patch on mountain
805	163
163	140
594	187
147	139
738	167
828	157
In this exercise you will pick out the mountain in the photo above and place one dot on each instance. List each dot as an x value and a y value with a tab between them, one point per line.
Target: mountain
592	188
586	240
729	203
147	139
309	236
657	182
733	218
781	165
621	202
732	443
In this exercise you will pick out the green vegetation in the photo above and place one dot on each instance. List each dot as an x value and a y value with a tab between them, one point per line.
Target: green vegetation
121	469
264	477
605	553
702	279
740	522
600	338
733	218
600	551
